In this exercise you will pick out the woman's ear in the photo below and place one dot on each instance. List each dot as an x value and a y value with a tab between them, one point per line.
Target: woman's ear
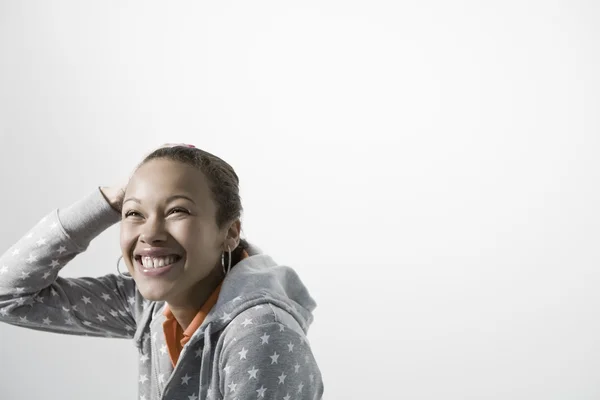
233	235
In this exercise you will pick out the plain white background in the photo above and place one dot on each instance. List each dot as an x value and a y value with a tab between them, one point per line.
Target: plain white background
430	168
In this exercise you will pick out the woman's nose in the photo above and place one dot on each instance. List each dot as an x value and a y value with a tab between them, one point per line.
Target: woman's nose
153	231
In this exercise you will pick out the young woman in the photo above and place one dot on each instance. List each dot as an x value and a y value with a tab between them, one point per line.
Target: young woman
211	315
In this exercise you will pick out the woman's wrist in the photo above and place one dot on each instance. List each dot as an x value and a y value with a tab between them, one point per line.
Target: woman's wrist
114	196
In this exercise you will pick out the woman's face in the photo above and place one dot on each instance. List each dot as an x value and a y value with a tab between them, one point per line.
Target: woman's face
169	236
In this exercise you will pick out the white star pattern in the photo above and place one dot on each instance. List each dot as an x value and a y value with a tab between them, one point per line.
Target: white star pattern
86	300
242	353
185	379
261	391
274	358
163	349
3	312
226	317
101	318
143	378
105	297
253	373
287	397
3	270
47	321
144	358
290	347
62	249
265	339
282	378
41	242
247	321
193	397
46	275
232	386
54	263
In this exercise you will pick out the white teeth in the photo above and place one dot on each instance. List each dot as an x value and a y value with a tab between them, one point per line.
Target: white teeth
157	262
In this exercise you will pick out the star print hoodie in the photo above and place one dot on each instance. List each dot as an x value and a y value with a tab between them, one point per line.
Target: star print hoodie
251	345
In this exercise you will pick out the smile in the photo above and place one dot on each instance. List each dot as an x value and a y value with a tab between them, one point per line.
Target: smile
156	266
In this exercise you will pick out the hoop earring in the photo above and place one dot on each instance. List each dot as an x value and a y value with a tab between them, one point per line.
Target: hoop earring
225	272
126	276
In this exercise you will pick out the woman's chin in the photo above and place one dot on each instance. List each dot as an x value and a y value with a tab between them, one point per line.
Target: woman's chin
152	291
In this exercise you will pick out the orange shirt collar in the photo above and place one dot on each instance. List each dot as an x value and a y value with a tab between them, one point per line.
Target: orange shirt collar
198	319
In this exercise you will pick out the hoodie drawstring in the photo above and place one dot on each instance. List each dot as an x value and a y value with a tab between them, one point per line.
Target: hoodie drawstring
205	365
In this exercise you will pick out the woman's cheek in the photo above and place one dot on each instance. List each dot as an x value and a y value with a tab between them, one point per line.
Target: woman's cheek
126	239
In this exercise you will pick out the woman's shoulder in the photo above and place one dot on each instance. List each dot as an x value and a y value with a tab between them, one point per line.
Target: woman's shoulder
263	318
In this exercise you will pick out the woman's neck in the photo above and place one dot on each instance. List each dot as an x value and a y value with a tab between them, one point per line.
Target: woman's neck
185	309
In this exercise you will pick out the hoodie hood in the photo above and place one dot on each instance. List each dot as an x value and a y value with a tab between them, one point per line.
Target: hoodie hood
255	280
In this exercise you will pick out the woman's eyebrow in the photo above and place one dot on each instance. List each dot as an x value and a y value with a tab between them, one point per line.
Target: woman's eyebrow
180	196
170	199
132	199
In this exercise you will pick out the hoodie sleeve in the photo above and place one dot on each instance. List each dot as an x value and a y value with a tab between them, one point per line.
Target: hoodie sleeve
270	361
32	295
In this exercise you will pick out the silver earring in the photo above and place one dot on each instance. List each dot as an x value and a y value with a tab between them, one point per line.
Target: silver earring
228	261
126	276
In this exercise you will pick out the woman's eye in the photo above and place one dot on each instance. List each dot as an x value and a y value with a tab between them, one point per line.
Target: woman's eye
137	214
178	210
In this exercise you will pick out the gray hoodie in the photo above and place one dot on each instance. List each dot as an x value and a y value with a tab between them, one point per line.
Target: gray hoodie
252	344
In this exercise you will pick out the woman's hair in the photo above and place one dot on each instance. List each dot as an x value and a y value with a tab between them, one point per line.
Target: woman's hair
222	180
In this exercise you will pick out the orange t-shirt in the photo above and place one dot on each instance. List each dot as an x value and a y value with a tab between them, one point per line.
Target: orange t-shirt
175	336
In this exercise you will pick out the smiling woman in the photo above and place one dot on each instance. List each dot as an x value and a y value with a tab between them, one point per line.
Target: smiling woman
211	315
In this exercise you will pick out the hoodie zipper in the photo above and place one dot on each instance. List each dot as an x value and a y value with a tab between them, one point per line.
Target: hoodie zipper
177	366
